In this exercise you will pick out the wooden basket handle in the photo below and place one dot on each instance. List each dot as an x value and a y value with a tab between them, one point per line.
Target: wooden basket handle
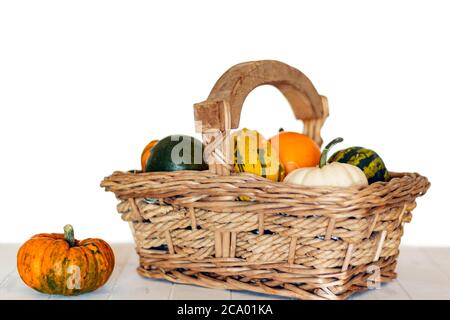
222	110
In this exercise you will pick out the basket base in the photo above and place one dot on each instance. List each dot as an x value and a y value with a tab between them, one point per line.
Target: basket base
326	286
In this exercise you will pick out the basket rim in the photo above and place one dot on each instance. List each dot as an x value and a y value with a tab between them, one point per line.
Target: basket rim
394	177
210	191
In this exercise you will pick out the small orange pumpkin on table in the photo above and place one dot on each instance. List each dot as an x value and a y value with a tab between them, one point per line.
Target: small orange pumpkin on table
56	263
295	150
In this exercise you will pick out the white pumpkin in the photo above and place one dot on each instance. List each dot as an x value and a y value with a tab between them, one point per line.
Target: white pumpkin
335	174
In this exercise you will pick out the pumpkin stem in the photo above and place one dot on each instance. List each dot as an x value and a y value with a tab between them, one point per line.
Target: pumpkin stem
69	235
281	130
324	155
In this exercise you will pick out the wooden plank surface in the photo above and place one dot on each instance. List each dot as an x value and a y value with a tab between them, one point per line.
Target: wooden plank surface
421	275
131	286
186	292
387	291
424	273
7	254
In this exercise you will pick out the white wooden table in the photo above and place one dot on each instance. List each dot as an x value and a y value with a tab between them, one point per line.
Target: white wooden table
424	273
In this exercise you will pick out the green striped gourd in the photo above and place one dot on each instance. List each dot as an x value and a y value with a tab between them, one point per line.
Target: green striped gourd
365	159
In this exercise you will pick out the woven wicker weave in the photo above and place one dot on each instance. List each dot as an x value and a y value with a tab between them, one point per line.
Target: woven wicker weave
306	243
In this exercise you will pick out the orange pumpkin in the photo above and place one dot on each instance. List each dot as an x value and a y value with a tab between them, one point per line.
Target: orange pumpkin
295	150
59	264
146	153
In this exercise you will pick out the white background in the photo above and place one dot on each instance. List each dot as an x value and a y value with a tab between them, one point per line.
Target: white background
84	85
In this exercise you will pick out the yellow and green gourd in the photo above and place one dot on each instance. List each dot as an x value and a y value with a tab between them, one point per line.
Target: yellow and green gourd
367	160
254	154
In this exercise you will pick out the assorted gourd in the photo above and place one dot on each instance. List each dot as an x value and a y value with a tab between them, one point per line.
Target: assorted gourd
56	263
147	152
334	174
365	159
289	157
254	154
176	152
295	150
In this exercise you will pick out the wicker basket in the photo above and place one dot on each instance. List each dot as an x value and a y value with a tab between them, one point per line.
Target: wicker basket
293	241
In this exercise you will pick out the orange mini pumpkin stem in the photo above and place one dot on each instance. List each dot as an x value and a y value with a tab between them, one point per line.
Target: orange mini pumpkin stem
69	235
324	155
